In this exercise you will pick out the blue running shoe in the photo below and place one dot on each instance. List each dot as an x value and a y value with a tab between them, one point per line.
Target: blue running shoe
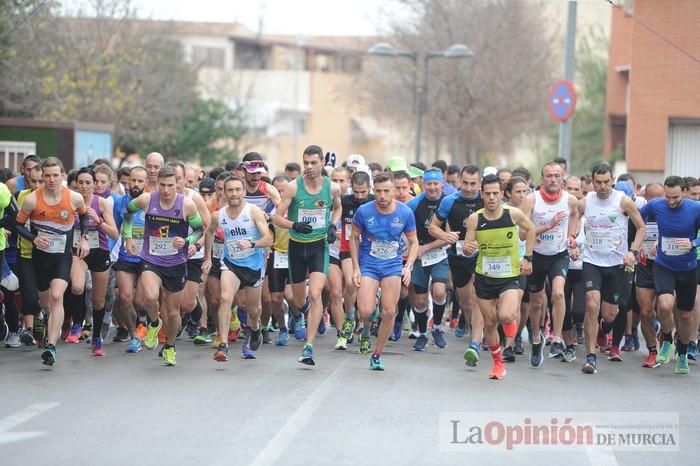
282	338
134	345
307	355
591	366
322	326
421	343
692	351
439	338
246	352
471	356
657	326
459	332
375	363
300	327
396	331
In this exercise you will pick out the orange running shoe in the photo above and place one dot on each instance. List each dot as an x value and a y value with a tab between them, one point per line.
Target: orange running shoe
233	335
140	331
498	371
162	337
650	361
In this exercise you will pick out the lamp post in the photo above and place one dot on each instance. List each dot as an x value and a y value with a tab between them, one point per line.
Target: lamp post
420	90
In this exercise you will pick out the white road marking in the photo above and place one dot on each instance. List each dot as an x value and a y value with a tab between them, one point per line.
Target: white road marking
601	456
13	420
296	422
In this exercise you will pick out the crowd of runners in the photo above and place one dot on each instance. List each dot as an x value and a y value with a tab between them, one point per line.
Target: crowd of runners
163	254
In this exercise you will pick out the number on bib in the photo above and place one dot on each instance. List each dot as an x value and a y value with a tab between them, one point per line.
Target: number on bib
496	266
384	249
161	246
315	217
57	243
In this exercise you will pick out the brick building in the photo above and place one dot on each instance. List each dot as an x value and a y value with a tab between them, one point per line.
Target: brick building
653	88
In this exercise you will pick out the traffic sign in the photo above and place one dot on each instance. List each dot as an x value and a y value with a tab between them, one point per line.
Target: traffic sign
562	101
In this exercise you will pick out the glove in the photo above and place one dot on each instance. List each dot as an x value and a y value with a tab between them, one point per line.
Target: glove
302	227
332	234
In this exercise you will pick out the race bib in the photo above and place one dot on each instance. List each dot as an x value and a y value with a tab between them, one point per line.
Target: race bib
669	247
348	231
601	240
281	260
161	246
217	250
93	239
650	239
234	252
551	237
433	257
496	266
139	245
57	243
315	217
460	247
384	249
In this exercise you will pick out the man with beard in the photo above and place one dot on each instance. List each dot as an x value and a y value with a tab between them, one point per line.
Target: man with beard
555	215
431	263
128	267
360	187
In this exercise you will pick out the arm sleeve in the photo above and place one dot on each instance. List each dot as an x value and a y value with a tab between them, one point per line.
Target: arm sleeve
132	207
84	223
195	222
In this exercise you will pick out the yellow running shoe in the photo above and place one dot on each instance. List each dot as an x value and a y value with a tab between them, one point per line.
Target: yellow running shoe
169	356
151	340
217	342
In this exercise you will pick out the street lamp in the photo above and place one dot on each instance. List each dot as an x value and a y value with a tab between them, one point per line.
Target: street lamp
420	90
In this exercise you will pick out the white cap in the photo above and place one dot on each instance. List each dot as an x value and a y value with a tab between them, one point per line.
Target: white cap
365	169
490	171
355	159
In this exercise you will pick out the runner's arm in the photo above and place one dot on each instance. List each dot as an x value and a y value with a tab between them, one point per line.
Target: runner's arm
470	244
107	225
337	206
282	208
135	205
23	216
209	234
203	212
194	220
573	217
630	209
261	222
526	227
84	219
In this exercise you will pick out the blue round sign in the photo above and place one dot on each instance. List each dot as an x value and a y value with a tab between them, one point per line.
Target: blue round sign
562	100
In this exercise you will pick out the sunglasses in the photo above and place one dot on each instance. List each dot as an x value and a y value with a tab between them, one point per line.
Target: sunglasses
254	164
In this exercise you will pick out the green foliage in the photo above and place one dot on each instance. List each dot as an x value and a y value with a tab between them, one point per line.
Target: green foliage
210	133
589	119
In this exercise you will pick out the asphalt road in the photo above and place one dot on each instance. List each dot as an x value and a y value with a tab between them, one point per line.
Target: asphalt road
128	409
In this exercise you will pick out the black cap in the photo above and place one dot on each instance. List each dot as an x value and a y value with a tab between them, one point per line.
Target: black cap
207	186
250	156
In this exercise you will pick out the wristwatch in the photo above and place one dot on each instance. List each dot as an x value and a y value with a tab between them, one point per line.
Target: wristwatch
528	258
635	252
198	246
252	245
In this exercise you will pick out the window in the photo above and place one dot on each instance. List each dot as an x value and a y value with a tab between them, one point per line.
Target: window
12	153
211	57
249	57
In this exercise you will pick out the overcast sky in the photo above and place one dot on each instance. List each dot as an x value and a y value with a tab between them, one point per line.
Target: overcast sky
307	17
319	17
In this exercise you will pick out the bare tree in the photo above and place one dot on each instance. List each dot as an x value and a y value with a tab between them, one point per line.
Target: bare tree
478	104
105	68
